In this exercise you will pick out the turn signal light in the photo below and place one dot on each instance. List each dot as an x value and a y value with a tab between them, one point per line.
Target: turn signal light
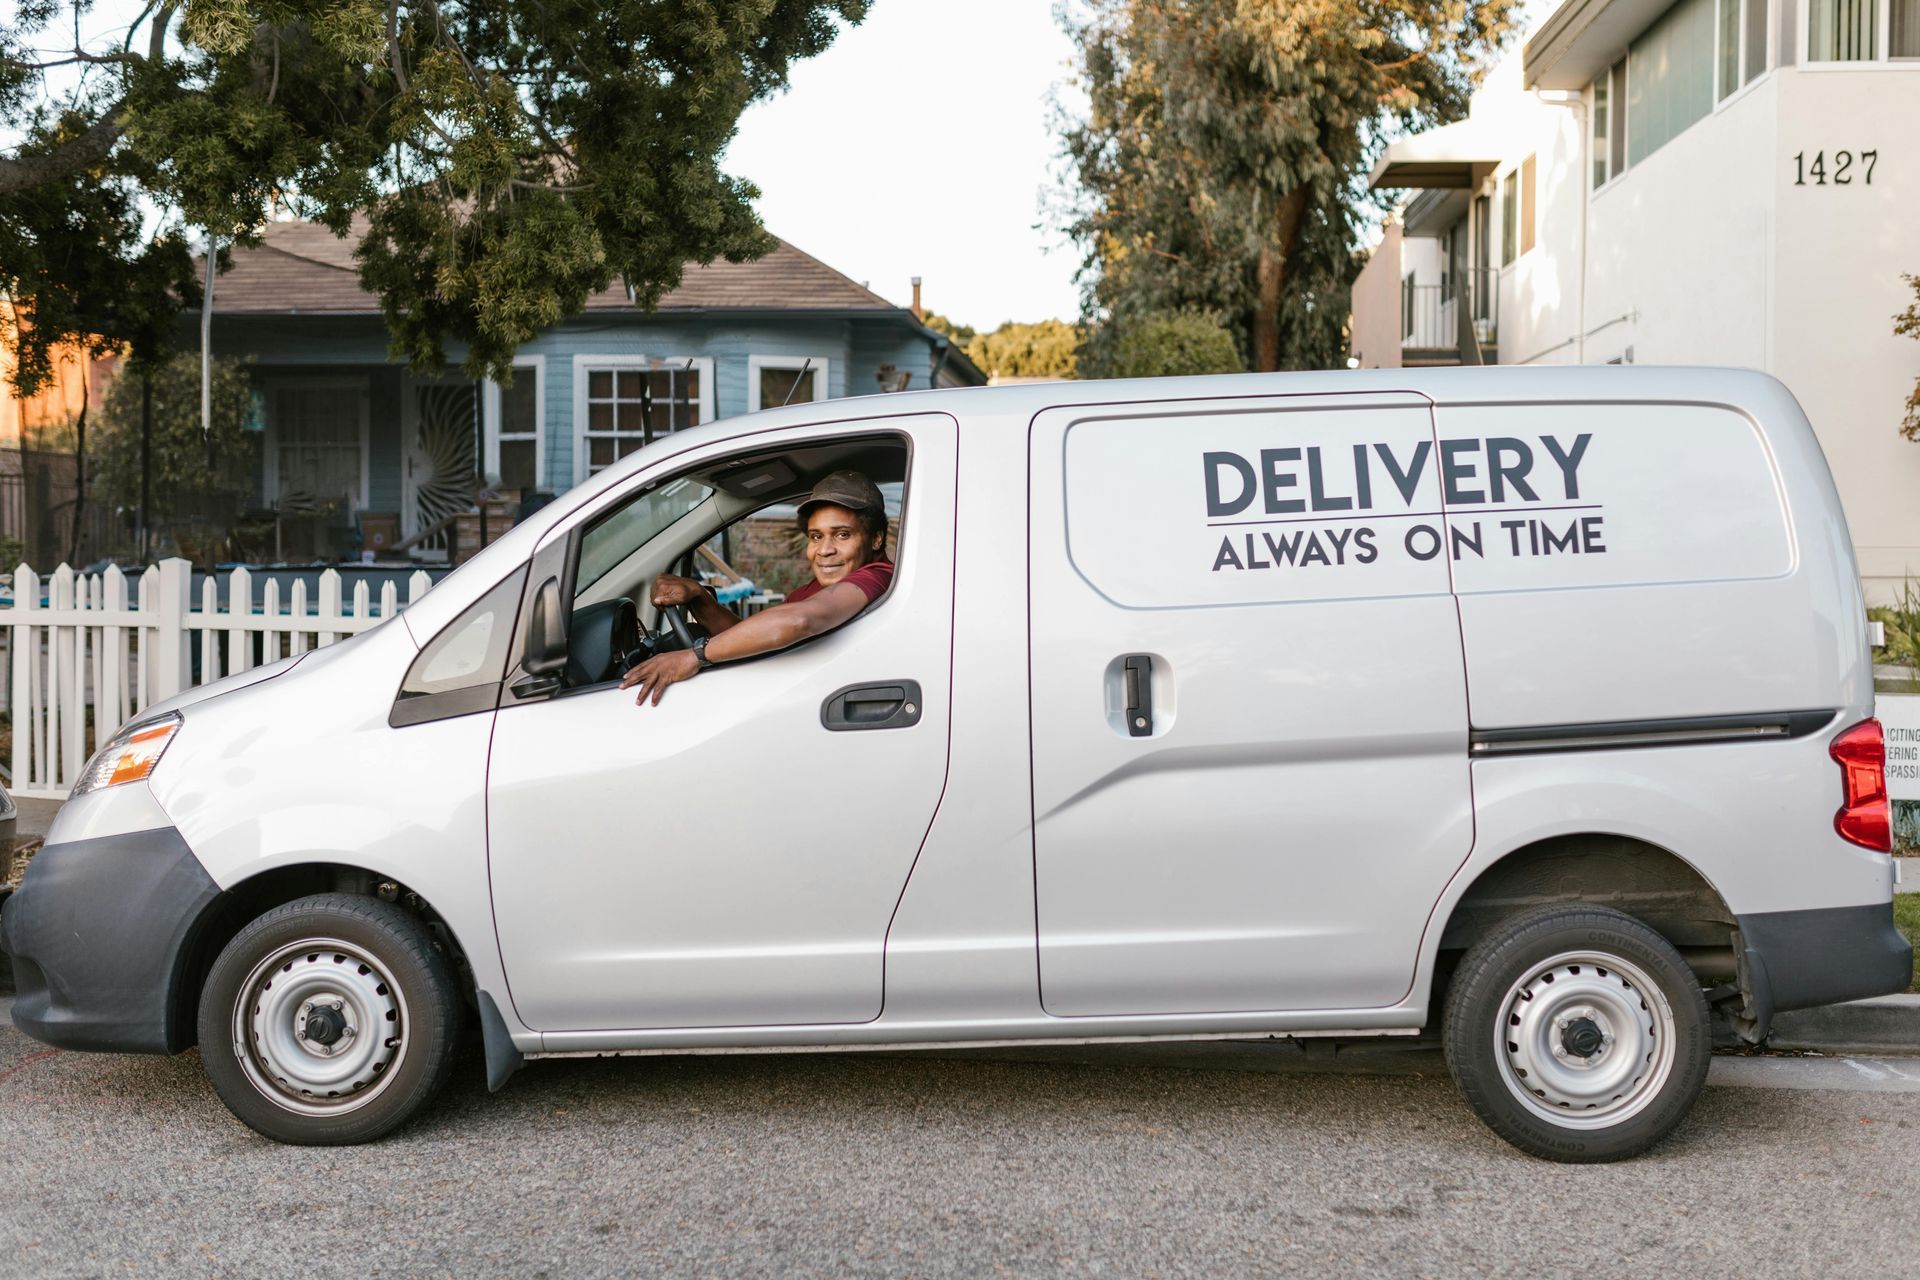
129	757
1861	753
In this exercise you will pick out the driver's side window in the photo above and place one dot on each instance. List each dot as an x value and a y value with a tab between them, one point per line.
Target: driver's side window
730	525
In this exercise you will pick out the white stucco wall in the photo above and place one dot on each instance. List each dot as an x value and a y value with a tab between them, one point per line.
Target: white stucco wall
1706	252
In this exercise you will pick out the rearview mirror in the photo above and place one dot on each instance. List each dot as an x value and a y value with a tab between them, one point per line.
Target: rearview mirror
546	651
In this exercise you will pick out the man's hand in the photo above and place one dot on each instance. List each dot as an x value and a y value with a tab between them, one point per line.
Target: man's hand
670	588
656	673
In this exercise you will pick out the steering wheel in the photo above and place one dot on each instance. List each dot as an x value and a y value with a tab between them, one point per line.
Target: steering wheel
676	617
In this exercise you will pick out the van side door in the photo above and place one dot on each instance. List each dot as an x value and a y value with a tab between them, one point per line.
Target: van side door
1250	776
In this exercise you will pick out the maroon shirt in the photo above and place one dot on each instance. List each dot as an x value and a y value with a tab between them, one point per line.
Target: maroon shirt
873	578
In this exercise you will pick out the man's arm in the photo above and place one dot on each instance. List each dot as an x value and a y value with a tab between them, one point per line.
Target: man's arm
774	627
671	589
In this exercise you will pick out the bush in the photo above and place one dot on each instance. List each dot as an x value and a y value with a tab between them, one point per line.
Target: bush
1161	344
193	477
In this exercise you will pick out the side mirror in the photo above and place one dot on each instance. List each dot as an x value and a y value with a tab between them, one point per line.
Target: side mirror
546	651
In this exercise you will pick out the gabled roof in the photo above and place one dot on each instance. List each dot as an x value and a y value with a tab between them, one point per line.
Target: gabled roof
302	268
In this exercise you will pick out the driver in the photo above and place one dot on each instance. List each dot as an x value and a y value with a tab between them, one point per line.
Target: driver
844	521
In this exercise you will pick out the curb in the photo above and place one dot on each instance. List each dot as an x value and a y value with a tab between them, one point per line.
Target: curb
1885	1024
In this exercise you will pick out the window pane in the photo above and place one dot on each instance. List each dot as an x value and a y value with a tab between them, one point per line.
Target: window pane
1509	218
632	417
785	386
1729	47
599	451
600	384
517	416
599	417
1757	37
1842	30
630	384
1670	77
691	377
1599	131
637	523
472	649
1617	159
1904	39
629	444
517	465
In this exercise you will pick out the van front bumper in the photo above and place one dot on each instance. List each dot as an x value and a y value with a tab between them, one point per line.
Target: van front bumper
99	933
1826	955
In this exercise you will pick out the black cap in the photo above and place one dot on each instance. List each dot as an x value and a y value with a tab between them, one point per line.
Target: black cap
849	489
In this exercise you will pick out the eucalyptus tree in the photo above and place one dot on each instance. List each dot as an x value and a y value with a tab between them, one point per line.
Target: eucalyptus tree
1223	155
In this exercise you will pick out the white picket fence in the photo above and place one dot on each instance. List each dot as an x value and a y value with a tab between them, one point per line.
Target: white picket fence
90	651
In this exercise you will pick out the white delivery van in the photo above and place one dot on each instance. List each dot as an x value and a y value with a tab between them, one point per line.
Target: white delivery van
1532	706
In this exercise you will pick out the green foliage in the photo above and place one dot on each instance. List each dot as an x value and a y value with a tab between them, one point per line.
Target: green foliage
1160	344
960	333
192	476
1224	156
1908	323
1043	349
505	160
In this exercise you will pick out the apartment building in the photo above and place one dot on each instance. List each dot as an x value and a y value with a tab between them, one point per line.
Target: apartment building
1722	182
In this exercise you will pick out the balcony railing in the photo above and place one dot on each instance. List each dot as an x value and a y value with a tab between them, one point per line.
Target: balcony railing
1450	324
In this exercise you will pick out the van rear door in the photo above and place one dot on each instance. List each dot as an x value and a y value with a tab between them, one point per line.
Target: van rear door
1249	730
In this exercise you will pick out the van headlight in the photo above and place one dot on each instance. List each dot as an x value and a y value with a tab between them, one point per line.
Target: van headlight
129	756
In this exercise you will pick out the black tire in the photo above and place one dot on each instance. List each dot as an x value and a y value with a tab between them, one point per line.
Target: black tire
357	969
1536	992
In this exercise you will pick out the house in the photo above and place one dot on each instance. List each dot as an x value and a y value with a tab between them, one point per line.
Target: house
351	435
1729	182
38	470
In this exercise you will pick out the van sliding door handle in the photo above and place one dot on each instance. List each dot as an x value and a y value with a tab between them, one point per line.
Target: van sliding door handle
891	704
1138	674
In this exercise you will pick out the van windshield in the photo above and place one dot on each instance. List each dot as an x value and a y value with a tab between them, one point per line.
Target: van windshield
638	522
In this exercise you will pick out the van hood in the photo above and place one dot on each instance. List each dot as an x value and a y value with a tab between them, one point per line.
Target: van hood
228	684
259	675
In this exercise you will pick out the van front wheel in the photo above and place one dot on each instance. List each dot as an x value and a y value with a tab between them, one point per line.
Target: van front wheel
329	1020
1577	1033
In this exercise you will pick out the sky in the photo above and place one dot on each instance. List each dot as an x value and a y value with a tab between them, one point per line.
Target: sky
920	144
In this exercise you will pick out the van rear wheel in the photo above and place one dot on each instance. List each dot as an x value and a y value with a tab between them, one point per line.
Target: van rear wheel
329	1020
1577	1033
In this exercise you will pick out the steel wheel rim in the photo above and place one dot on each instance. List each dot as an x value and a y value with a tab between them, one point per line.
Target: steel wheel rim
1553	1012
296	997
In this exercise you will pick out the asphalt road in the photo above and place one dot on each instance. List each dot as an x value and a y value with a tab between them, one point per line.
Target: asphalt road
1220	1162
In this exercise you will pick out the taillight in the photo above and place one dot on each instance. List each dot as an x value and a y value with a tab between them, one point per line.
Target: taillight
1861	753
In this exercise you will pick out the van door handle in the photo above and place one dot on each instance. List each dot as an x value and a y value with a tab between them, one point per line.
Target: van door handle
891	704
1138	675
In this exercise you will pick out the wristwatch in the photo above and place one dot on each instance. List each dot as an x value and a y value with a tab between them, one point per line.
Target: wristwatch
700	652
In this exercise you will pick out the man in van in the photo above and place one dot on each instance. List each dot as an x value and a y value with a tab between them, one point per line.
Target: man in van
844	521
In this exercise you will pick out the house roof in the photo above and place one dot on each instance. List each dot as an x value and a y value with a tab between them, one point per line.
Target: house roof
1454	155
1582	38
302	268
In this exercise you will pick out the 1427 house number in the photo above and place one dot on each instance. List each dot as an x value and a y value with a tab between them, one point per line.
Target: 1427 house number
1846	166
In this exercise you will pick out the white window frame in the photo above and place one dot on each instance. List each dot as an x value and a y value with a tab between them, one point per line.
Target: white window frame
703	365
490	421
1769	60
274	386
1883	41
821	366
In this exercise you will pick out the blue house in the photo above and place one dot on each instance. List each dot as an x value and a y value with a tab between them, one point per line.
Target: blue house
345	431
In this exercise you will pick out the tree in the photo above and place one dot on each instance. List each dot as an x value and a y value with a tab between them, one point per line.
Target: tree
192	473
1223	157
1044	349
509	159
1908	323
1161	344
961	334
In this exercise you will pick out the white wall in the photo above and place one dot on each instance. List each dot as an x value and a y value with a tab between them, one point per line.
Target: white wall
1375	338
1706	252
